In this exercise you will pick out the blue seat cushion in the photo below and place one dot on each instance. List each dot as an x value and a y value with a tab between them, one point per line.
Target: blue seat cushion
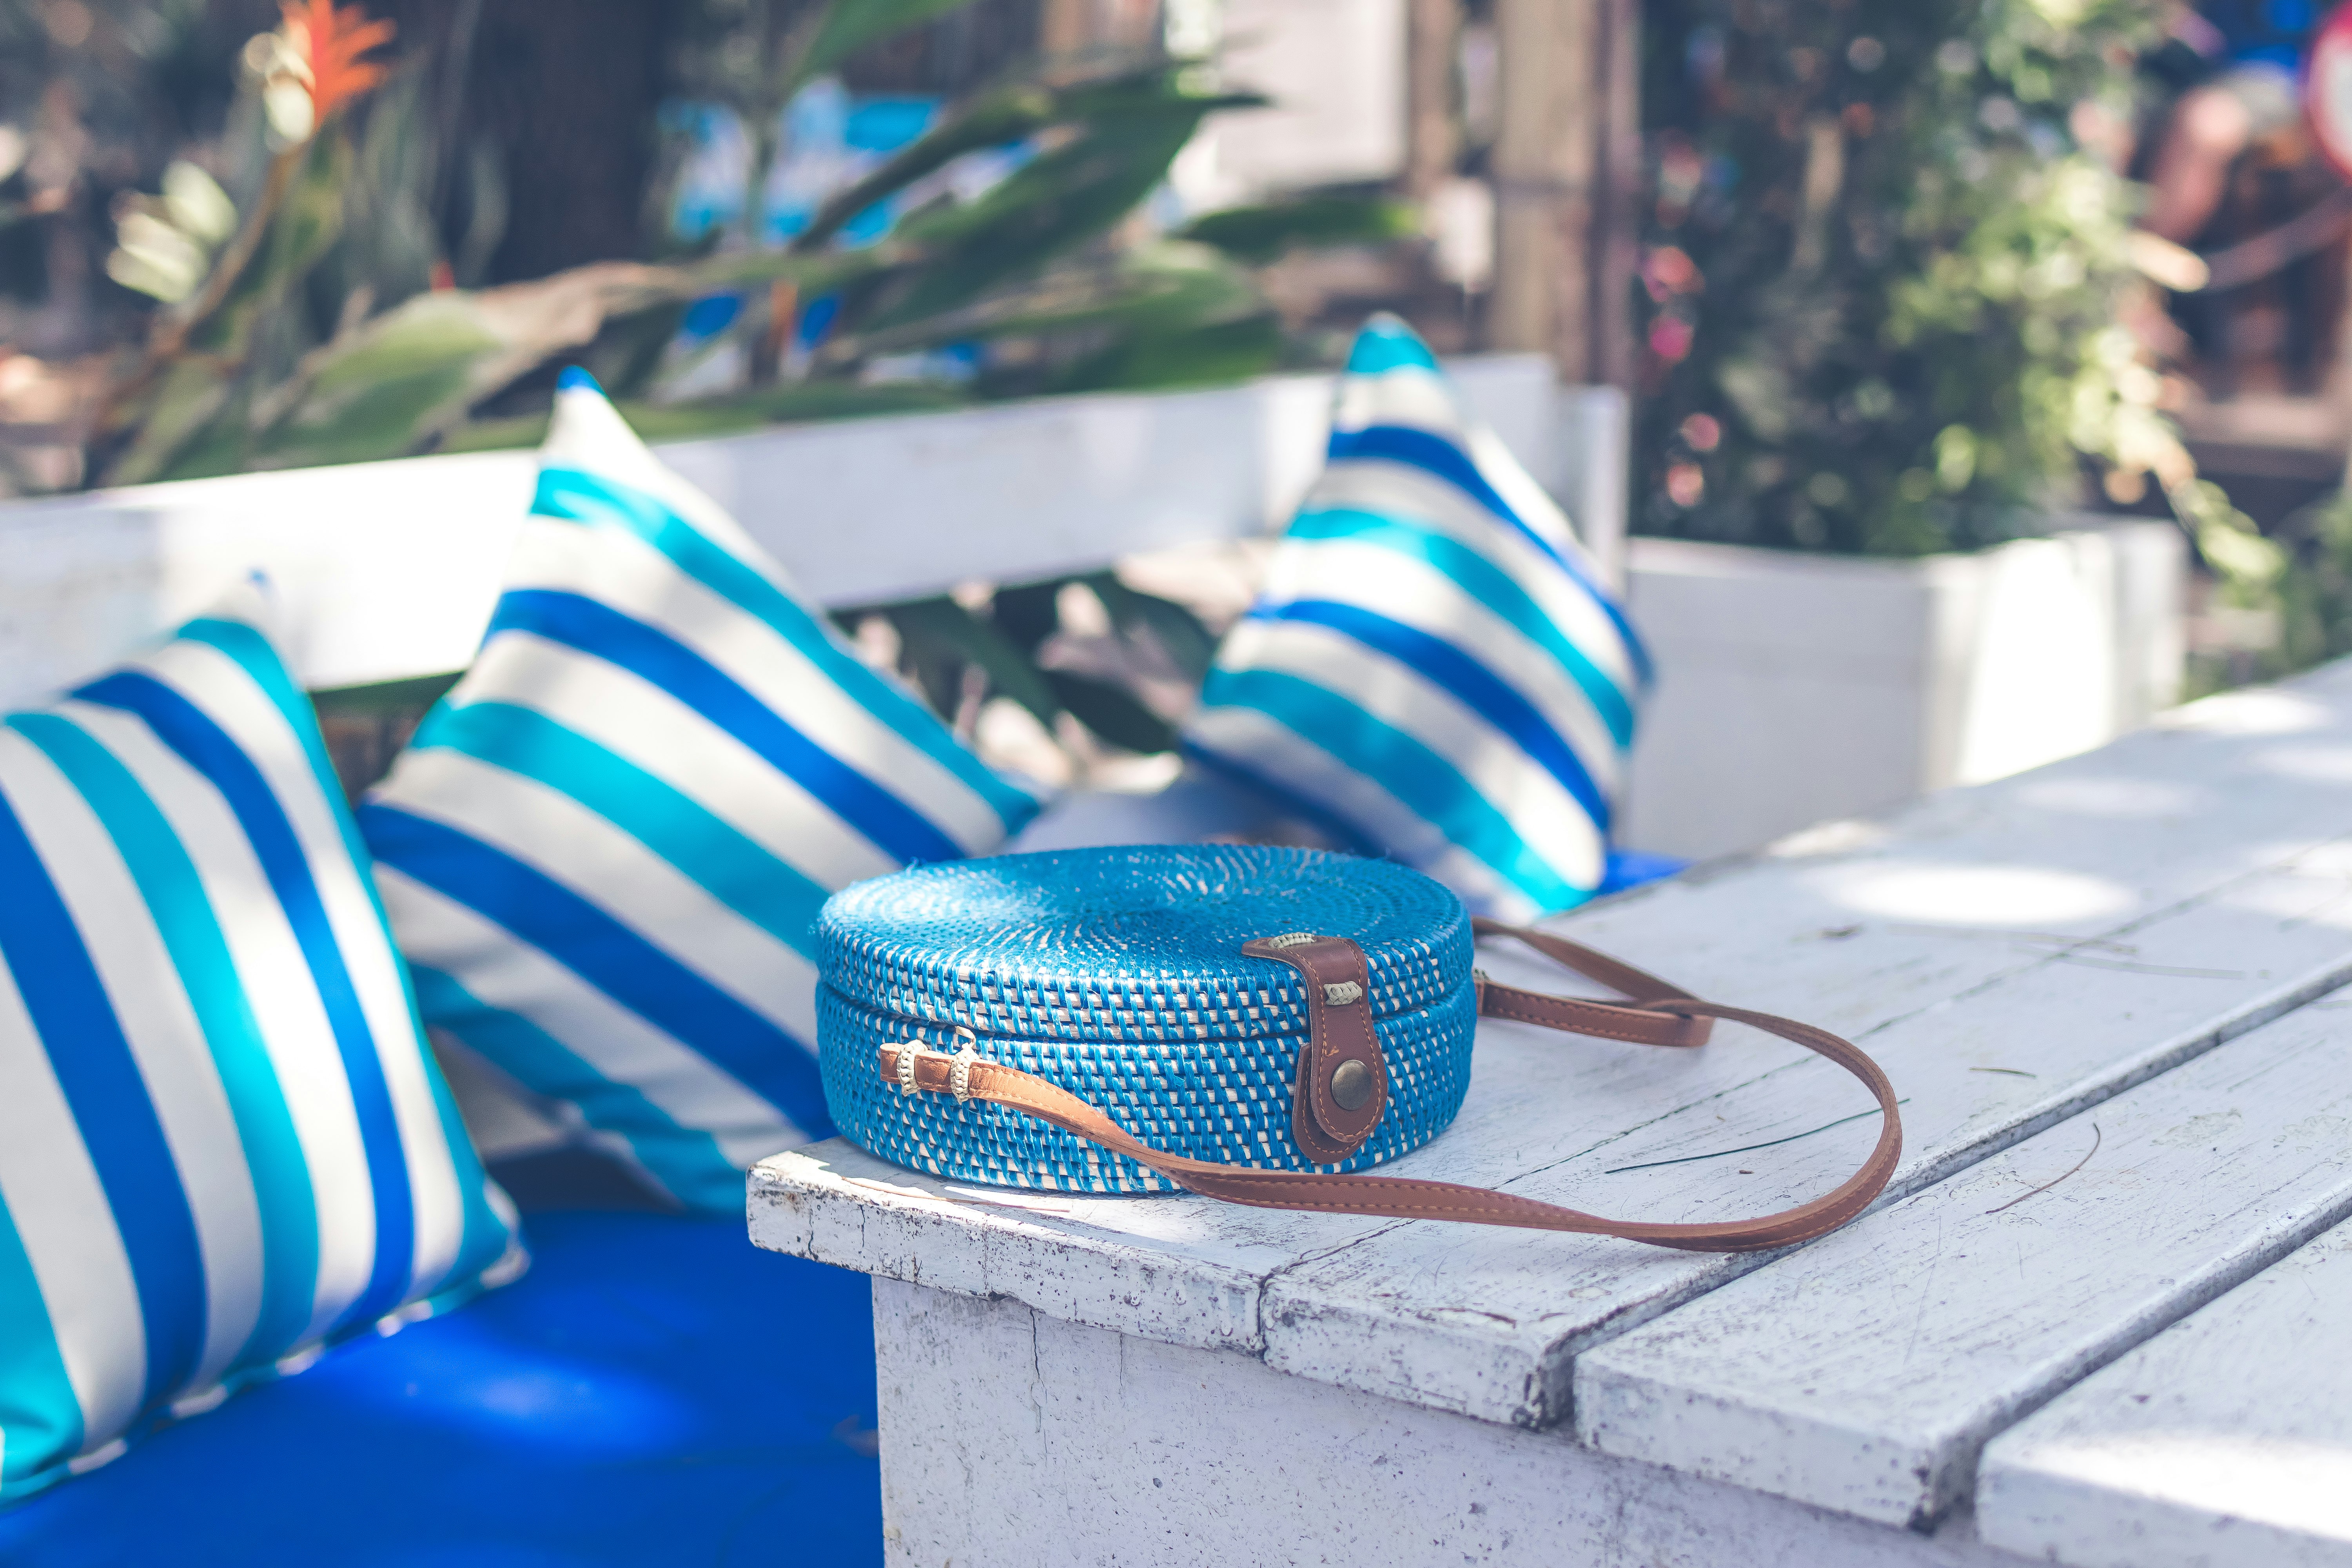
654	1390
1634	867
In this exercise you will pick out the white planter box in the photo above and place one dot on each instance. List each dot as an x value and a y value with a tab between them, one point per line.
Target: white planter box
1794	689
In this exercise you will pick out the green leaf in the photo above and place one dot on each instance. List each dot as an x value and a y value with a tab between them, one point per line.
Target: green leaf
189	399
1046	207
1166	286
1211	353
307	224
1258	235
1043	97
1004	116
726	416
1111	713
391	384
813	274
380	391
941	624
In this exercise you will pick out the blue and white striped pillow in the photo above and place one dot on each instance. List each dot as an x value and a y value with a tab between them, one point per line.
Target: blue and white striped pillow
1433	671
605	851
222	1142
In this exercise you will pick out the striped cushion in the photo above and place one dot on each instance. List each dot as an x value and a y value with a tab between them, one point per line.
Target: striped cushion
222	1142
1433	671
605	851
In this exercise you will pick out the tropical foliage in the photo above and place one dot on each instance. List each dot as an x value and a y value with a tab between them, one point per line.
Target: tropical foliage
306	313
1885	279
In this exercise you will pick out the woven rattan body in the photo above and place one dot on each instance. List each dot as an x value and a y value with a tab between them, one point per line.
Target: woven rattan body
1119	976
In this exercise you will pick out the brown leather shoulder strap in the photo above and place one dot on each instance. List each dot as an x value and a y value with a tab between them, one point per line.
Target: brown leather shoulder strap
971	1077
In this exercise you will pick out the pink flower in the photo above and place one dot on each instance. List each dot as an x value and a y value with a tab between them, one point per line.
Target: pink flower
1670	338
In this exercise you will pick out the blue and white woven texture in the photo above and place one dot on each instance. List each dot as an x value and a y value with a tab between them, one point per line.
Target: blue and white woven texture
1119	976
605	849
222	1142
1434	670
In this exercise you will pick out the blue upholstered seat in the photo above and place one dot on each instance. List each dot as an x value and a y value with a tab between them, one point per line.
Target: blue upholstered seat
656	1390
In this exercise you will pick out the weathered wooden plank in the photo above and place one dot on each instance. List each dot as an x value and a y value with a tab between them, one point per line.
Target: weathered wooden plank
2223	1442
1012	1437
836	1204
2014	954
1488	1323
1866	1373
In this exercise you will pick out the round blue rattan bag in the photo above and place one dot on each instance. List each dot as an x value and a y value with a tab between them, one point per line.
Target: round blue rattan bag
1117	975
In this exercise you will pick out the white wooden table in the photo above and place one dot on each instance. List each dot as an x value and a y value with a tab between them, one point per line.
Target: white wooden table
2128	956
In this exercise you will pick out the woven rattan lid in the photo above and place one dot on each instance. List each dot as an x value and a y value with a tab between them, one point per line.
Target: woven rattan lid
1138	942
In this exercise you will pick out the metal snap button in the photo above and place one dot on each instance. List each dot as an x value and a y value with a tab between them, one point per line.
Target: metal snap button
1351	1084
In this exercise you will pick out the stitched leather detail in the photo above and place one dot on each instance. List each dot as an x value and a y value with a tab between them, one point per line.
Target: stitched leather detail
1577	1016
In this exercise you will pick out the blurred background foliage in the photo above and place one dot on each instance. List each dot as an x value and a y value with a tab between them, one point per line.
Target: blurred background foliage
343	268
1885	283
322	234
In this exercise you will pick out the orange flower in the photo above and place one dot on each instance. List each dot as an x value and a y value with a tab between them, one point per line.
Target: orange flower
330	42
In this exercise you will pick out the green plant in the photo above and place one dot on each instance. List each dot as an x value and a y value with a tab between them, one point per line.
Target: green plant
1884	280
1033	266
305	314
2304	618
298	322
264	282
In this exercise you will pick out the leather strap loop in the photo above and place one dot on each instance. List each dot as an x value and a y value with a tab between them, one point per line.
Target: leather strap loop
1583	1016
1655	1003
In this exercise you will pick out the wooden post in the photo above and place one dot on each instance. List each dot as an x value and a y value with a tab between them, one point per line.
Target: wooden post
1617	239
1066	26
1566	166
1433	142
1071	27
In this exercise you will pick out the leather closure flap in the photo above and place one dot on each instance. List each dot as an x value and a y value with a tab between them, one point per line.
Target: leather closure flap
1341	1090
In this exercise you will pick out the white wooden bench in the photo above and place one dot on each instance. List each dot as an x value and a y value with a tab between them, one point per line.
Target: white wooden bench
2126	956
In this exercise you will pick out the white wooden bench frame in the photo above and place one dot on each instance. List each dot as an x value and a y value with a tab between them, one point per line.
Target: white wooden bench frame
389	570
